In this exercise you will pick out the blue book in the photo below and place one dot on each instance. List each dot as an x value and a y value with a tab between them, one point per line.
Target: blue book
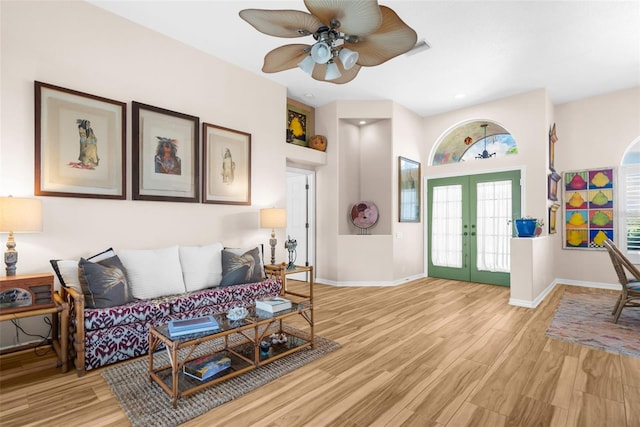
178	328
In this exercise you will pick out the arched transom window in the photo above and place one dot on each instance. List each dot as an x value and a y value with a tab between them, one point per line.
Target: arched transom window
467	142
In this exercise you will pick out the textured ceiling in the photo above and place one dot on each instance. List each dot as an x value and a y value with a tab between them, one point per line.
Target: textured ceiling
484	50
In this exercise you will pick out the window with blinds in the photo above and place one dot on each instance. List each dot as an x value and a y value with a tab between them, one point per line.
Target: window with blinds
630	215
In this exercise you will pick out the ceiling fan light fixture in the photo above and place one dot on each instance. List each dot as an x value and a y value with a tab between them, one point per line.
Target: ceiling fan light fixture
321	52
307	64
332	72
348	58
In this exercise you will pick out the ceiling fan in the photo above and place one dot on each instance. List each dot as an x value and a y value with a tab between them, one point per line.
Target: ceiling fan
349	35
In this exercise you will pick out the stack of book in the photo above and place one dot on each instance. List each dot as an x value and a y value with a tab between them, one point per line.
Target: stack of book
273	304
178	328
206	366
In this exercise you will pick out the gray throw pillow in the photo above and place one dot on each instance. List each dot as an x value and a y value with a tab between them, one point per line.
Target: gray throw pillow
238	269
104	283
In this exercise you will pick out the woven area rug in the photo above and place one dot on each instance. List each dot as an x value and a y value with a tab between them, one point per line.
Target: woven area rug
584	317
146	404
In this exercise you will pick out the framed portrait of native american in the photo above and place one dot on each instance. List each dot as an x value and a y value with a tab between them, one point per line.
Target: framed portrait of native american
165	155
227	165
80	142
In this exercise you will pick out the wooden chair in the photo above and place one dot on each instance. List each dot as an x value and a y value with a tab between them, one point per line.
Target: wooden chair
630	295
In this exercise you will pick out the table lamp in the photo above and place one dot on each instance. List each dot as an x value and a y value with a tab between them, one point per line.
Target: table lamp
273	218
19	215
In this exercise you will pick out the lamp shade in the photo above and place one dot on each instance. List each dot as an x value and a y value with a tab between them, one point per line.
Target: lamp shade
307	64
321	52
273	218
20	214
348	58
332	72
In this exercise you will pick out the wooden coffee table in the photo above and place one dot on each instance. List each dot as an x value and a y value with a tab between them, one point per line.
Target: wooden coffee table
239	340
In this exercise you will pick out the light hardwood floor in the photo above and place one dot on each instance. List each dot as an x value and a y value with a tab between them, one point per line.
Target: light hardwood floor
427	353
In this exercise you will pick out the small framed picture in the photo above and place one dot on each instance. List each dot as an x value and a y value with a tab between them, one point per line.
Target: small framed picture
79	144
165	155
552	186
408	190
553	220
300	123
227	166
552	143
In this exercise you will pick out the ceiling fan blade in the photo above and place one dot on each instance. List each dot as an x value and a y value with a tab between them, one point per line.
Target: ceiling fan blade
347	75
357	17
281	23
284	57
393	38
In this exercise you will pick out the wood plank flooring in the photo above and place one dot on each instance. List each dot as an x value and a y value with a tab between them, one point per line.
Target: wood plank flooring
431	352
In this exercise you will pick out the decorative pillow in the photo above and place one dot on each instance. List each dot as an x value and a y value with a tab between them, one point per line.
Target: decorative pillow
238	269
67	272
260	248
67	269
104	283
153	273
201	266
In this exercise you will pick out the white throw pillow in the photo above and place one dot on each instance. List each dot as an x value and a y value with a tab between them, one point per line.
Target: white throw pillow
201	266
153	273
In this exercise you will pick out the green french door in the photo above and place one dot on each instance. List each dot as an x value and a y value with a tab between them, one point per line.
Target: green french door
469	220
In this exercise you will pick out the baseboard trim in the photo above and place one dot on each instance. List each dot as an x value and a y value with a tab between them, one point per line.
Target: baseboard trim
369	284
554	283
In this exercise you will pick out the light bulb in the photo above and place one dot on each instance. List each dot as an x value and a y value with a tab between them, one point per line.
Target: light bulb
332	71
348	58
321	52
307	64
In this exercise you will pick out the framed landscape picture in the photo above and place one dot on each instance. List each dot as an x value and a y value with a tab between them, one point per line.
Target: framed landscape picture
408	190
165	155
300	123
79	144
226	166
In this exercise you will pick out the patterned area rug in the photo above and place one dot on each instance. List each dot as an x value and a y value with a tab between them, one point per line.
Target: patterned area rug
584	317
146	404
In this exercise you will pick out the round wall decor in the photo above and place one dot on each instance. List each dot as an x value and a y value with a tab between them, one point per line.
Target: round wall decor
364	214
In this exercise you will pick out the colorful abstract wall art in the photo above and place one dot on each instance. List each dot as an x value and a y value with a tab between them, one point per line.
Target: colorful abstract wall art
588	208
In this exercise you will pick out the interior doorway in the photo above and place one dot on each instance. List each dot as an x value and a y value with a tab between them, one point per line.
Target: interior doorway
470	226
301	215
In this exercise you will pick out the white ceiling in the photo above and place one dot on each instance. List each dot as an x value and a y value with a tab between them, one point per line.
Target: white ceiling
483	49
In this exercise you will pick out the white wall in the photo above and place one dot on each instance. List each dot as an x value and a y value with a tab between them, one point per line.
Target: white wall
408	237
79	46
593	133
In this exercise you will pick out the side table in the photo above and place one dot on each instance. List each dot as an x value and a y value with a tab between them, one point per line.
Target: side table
281	271
59	318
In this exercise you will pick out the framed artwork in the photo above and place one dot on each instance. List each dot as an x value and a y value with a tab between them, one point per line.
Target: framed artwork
408	190
589	201
552	152
300	123
80	144
165	155
553	218
552	186
227	166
